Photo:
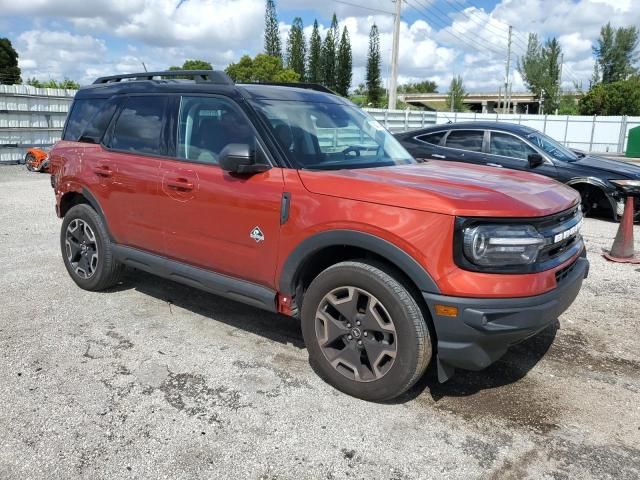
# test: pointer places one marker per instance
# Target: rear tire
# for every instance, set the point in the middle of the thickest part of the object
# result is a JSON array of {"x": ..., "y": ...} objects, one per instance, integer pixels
[
  {"x": 87, "y": 250},
  {"x": 364, "y": 331}
]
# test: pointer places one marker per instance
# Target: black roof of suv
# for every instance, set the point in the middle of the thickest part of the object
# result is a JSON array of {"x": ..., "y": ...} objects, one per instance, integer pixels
[{"x": 205, "y": 81}]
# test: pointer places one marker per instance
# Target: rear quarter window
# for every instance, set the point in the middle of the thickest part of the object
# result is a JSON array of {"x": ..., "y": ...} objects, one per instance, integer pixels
[
  {"x": 82, "y": 112},
  {"x": 432, "y": 138}
]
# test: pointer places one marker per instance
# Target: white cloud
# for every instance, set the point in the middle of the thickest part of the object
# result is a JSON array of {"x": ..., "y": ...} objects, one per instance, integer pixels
[{"x": 58, "y": 54}]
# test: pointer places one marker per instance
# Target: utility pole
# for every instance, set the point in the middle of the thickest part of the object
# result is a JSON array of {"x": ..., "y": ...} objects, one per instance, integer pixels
[
  {"x": 507, "y": 73},
  {"x": 560, "y": 81},
  {"x": 393, "y": 81}
]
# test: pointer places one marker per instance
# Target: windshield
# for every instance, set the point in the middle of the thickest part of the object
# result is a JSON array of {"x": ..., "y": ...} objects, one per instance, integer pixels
[
  {"x": 329, "y": 136},
  {"x": 553, "y": 148}
]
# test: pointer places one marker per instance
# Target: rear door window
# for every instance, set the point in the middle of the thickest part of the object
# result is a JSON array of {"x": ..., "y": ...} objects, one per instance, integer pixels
[
  {"x": 432, "y": 138},
  {"x": 140, "y": 125},
  {"x": 82, "y": 111},
  {"x": 470, "y": 140}
]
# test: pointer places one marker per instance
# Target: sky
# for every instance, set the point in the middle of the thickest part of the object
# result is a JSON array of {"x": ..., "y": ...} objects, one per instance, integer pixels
[{"x": 84, "y": 39}]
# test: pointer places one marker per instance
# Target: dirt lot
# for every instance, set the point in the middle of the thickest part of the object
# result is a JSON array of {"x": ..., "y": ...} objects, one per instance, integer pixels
[{"x": 155, "y": 380}]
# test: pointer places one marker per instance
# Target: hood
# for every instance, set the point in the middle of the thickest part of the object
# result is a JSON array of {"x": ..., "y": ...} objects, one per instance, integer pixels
[
  {"x": 447, "y": 187},
  {"x": 624, "y": 169}
]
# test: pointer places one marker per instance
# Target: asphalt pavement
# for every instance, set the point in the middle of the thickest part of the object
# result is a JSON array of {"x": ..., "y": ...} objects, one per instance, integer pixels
[{"x": 156, "y": 380}]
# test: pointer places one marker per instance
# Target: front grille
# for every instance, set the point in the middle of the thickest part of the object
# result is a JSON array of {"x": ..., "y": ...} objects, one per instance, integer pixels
[{"x": 555, "y": 229}]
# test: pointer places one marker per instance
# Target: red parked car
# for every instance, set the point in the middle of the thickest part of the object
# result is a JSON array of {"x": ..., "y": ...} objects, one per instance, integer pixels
[{"x": 293, "y": 200}]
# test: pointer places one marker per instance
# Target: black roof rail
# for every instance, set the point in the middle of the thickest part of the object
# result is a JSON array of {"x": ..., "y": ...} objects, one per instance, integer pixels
[
  {"x": 308, "y": 86},
  {"x": 200, "y": 76}
]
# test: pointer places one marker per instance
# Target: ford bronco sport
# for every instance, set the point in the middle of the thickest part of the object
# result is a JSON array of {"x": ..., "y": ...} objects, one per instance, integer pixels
[{"x": 293, "y": 200}]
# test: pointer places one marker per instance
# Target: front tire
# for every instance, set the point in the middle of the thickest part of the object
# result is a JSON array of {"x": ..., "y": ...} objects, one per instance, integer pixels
[
  {"x": 28, "y": 161},
  {"x": 87, "y": 250},
  {"x": 364, "y": 331}
]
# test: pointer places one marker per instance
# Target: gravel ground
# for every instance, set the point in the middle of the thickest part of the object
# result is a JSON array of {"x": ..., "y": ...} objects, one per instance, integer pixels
[{"x": 156, "y": 380}]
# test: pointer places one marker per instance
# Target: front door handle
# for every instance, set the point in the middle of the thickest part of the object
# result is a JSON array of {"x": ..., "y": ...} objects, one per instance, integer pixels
[
  {"x": 180, "y": 184},
  {"x": 437, "y": 155},
  {"x": 494, "y": 165},
  {"x": 103, "y": 171}
]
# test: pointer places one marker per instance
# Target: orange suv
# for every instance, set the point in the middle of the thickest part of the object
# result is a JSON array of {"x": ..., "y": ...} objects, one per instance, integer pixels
[{"x": 293, "y": 200}]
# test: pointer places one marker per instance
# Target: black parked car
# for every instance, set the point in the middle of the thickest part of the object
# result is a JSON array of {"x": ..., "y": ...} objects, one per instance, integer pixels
[{"x": 600, "y": 181}]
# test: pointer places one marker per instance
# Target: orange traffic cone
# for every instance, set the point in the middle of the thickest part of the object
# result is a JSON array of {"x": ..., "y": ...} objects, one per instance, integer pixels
[{"x": 622, "y": 249}]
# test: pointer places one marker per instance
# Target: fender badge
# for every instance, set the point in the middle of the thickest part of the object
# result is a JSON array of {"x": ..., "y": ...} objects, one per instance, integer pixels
[{"x": 257, "y": 234}]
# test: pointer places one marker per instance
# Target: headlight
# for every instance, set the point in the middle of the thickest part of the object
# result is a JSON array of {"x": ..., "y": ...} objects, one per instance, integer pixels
[
  {"x": 627, "y": 185},
  {"x": 502, "y": 245}
]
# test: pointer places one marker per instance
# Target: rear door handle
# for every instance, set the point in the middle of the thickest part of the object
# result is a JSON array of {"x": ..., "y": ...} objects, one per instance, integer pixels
[
  {"x": 180, "y": 184},
  {"x": 437, "y": 155},
  {"x": 494, "y": 165},
  {"x": 103, "y": 171}
]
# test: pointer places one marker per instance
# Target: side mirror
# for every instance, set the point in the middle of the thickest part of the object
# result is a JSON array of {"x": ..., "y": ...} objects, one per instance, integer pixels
[
  {"x": 239, "y": 158},
  {"x": 535, "y": 160}
]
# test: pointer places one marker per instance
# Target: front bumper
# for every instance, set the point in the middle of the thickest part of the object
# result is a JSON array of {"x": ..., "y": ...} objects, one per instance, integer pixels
[{"x": 484, "y": 329}]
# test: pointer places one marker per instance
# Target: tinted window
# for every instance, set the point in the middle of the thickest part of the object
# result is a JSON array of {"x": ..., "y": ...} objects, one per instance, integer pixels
[
  {"x": 509, "y": 146},
  {"x": 207, "y": 125},
  {"x": 466, "y": 140},
  {"x": 327, "y": 136},
  {"x": 81, "y": 112},
  {"x": 432, "y": 138},
  {"x": 139, "y": 126},
  {"x": 95, "y": 128}
]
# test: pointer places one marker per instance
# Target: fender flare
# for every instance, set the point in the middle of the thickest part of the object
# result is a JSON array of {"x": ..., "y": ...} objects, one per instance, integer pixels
[
  {"x": 352, "y": 238},
  {"x": 93, "y": 202}
]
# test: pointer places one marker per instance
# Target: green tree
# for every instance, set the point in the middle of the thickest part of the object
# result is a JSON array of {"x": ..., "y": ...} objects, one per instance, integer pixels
[
  {"x": 34, "y": 82},
  {"x": 65, "y": 84},
  {"x": 344, "y": 70},
  {"x": 457, "y": 94},
  {"x": 426, "y": 86},
  {"x": 297, "y": 48},
  {"x": 373, "y": 76},
  {"x": 540, "y": 70},
  {"x": 193, "y": 65},
  {"x": 329, "y": 55},
  {"x": 615, "y": 52},
  {"x": 262, "y": 68},
  {"x": 568, "y": 105},
  {"x": 9, "y": 70},
  {"x": 314, "y": 68},
  {"x": 616, "y": 98},
  {"x": 272, "y": 44}
]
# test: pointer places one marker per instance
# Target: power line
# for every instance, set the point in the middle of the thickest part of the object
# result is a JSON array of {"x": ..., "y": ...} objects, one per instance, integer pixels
[
  {"x": 445, "y": 19},
  {"x": 497, "y": 28},
  {"x": 371, "y": 9},
  {"x": 450, "y": 31}
]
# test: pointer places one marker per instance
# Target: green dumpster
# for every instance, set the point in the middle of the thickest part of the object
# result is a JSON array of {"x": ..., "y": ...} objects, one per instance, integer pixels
[{"x": 633, "y": 144}]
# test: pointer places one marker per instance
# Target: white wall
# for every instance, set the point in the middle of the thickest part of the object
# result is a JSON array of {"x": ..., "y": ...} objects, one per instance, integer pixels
[{"x": 30, "y": 117}]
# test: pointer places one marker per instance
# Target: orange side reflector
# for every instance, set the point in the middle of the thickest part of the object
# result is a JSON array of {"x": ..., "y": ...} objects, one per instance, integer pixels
[{"x": 446, "y": 310}]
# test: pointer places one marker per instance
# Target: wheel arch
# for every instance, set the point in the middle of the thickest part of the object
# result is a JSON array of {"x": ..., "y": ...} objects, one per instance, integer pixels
[
  {"x": 83, "y": 196},
  {"x": 321, "y": 250},
  {"x": 594, "y": 182}
]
